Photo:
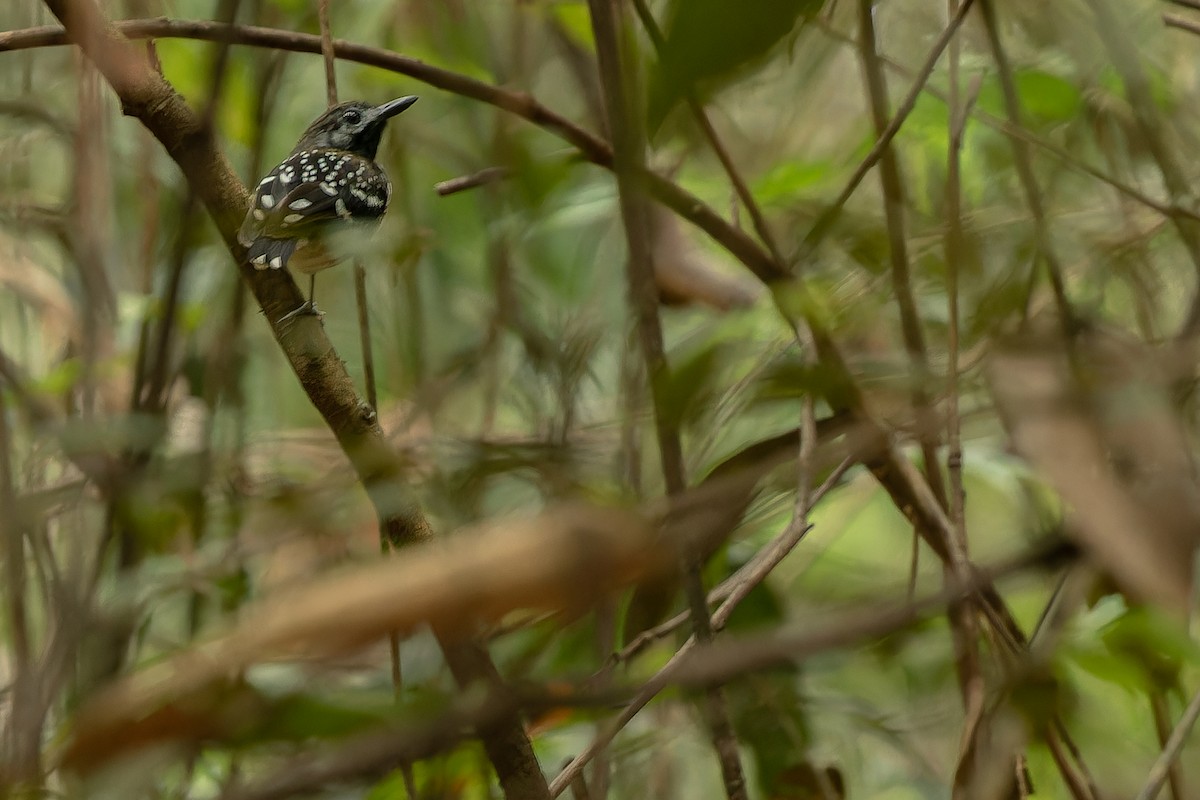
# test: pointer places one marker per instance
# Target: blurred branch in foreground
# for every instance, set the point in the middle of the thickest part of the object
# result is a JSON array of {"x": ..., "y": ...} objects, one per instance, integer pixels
[{"x": 561, "y": 561}]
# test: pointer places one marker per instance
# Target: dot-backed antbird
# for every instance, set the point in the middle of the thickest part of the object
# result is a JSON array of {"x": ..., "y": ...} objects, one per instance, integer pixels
[{"x": 330, "y": 184}]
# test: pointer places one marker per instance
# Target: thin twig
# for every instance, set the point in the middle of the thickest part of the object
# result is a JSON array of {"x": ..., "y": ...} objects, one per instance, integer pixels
[
  {"x": 731, "y": 591},
  {"x": 1160, "y": 711},
  {"x": 475, "y": 179},
  {"x": 894, "y": 203},
  {"x": 1182, "y": 23},
  {"x": 725, "y": 660},
  {"x": 824, "y": 223},
  {"x": 1170, "y": 754},
  {"x": 1071, "y": 779},
  {"x": 754, "y": 572},
  {"x": 1025, "y": 172},
  {"x": 331, "y": 92},
  {"x": 1015, "y": 132},
  {"x": 21, "y": 736},
  {"x": 614, "y": 55},
  {"x": 710, "y": 133},
  {"x": 966, "y": 647},
  {"x": 1126, "y": 60}
]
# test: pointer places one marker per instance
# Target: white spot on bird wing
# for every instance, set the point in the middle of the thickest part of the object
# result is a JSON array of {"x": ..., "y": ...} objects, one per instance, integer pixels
[
  {"x": 291, "y": 218},
  {"x": 259, "y": 261},
  {"x": 327, "y": 189},
  {"x": 340, "y": 207},
  {"x": 259, "y": 215},
  {"x": 266, "y": 201},
  {"x": 276, "y": 262},
  {"x": 266, "y": 180},
  {"x": 299, "y": 204},
  {"x": 374, "y": 200},
  {"x": 287, "y": 174}
]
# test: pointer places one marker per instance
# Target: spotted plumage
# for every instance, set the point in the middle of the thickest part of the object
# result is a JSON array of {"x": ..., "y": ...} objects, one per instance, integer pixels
[{"x": 329, "y": 184}]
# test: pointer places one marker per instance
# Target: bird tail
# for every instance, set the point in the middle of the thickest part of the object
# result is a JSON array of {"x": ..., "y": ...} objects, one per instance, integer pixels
[{"x": 267, "y": 253}]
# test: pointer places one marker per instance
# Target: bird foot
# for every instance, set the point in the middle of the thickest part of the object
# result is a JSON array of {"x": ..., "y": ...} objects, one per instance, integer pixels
[{"x": 306, "y": 309}]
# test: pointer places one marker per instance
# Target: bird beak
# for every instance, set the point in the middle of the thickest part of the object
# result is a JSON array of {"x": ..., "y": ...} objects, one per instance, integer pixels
[{"x": 394, "y": 107}]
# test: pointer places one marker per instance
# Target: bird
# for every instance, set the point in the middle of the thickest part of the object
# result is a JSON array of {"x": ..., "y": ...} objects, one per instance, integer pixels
[{"x": 329, "y": 187}]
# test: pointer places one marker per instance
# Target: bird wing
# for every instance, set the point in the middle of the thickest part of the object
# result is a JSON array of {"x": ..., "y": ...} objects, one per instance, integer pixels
[{"x": 286, "y": 205}]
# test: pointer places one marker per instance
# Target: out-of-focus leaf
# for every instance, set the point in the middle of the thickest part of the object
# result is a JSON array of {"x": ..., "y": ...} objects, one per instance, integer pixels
[
  {"x": 1162, "y": 90},
  {"x": 306, "y": 716},
  {"x": 706, "y": 41},
  {"x": 184, "y": 65},
  {"x": 1045, "y": 98},
  {"x": 1152, "y": 642},
  {"x": 788, "y": 180},
  {"x": 690, "y": 379},
  {"x": 574, "y": 20}
]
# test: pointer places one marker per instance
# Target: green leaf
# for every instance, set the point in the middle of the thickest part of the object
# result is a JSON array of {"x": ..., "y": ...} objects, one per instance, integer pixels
[
  {"x": 788, "y": 180},
  {"x": 575, "y": 23},
  {"x": 306, "y": 716},
  {"x": 706, "y": 41},
  {"x": 1045, "y": 98},
  {"x": 681, "y": 390}
]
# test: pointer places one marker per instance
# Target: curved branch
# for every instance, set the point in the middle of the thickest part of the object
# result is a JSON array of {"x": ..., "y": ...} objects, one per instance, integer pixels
[{"x": 590, "y": 146}]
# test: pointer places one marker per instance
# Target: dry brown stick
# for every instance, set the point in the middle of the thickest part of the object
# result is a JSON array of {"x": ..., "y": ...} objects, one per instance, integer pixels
[
  {"x": 369, "y": 756},
  {"x": 564, "y": 559},
  {"x": 1181, "y": 23},
  {"x": 591, "y": 147},
  {"x": 1170, "y": 754},
  {"x": 475, "y": 179},
  {"x": 894, "y": 204},
  {"x": 1162, "y": 728},
  {"x": 144, "y": 94},
  {"x": 731, "y": 591},
  {"x": 615, "y": 54},
  {"x": 21, "y": 735},
  {"x": 971, "y": 680},
  {"x": 1074, "y": 782},
  {"x": 331, "y": 92}
]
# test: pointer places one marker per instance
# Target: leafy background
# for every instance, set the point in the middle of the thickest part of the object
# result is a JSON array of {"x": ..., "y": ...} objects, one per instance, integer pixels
[{"x": 508, "y": 375}]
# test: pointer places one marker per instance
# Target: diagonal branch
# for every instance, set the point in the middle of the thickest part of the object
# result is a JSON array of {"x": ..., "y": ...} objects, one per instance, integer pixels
[
  {"x": 146, "y": 95},
  {"x": 629, "y": 164}
]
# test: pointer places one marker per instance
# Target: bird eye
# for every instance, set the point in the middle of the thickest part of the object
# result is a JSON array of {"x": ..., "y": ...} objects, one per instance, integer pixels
[{"x": 352, "y": 117}]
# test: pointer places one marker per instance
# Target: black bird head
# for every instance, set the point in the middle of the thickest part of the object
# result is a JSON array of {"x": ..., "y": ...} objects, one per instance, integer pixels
[{"x": 356, "y": 127}]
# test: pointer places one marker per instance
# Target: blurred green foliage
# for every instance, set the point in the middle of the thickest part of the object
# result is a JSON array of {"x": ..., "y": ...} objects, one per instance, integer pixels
[{"x": 508, "y": 374}]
